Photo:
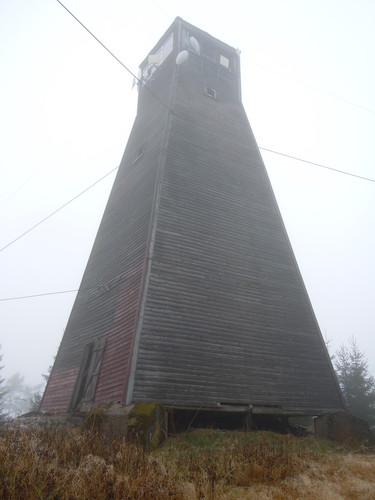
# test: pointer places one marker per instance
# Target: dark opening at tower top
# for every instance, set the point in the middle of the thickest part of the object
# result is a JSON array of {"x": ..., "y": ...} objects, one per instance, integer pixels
[{"x": 192, "y": 295}]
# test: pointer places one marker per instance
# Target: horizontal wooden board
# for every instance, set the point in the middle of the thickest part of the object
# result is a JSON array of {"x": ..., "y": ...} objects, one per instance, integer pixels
[
  {"x": 192, "y": 281},
  {"x": 227, "y": 316}
]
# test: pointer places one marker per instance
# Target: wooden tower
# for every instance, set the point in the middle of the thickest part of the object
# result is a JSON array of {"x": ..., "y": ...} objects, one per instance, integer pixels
[{"x": 192, "y": 295}]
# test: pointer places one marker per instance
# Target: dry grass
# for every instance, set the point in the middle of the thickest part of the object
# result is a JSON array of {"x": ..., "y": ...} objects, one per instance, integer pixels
[{"x": 54, "y": 464}]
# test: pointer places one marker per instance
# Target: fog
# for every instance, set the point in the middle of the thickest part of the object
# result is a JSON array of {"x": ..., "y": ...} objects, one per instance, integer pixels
[{"x": 67, "y": 108}]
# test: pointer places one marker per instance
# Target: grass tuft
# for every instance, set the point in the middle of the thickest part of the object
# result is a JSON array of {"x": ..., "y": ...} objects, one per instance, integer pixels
[{"x": 54, "y": 463}]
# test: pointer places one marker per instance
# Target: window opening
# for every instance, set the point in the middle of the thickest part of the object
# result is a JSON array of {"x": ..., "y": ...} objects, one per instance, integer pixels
[
  {"x": 155, "y": 60},
  {"x": 210, "y": 91},
  {"x": 224, "y": 61}
]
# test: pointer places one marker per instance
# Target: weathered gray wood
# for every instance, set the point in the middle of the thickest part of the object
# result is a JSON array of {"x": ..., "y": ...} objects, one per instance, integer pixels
[{"x": 192, "y": 279}]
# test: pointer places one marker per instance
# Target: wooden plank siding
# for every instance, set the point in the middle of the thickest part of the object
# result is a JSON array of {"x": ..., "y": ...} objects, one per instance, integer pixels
[
  {"x": 108, "y": 299},
  {"x": 120, "y": 339},
  {"x": 59, "y": 390},
  {"x": 227, "y": 317},
  {"x": 192, "y": 281}
]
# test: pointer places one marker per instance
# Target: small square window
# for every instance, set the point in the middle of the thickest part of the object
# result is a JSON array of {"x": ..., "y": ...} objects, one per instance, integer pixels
[
  {"x": 210, "y": 91},
  {"x": 224, "y": 61}
]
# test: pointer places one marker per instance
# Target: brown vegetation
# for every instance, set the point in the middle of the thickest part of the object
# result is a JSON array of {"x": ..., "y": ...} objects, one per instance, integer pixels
[{"x": 49, "y": 463}]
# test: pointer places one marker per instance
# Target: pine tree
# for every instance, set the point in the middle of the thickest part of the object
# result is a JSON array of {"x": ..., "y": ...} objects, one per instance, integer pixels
[
  {"x": 357, "y": 385},
  {"x": 35, "y": 400}
]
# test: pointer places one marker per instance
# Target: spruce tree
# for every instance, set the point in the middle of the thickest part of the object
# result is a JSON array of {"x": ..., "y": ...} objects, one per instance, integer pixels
[{"x": 357, "y": 385}]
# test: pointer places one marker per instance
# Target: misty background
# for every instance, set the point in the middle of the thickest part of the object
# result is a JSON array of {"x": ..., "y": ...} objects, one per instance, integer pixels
[{"x": 67, "y": 108}]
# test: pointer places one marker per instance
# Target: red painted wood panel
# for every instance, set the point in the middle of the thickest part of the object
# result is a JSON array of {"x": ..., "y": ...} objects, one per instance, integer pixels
[
  {"x": 120, "y": 339},
  {"x": 60, "y": 386}
]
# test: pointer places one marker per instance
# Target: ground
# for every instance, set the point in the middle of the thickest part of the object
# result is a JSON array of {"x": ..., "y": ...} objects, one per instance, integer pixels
[{"x": 200, "y": 463}]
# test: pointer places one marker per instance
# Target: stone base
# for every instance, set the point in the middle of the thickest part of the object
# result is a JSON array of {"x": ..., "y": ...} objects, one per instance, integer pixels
[
  {"x": 143, "y": 422},
  {"x": 344, "y": 428}
]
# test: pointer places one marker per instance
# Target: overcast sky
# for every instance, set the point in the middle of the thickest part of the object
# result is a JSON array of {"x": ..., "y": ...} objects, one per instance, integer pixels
[{"x": 67, "y": 107}]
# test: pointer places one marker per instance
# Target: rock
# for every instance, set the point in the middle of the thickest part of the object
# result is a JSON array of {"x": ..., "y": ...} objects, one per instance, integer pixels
[
  {"x": 345, "y": 429},
  {"x": 148, "y": 424},
  {"x": 109, "y": 420},
  {"x": 143, "y": 422}
]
